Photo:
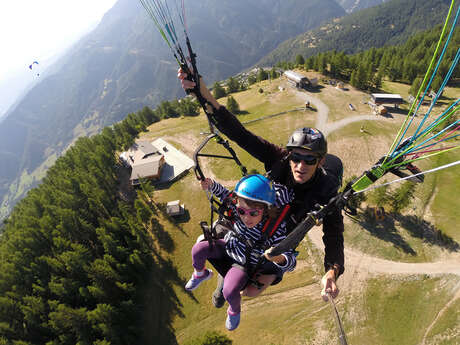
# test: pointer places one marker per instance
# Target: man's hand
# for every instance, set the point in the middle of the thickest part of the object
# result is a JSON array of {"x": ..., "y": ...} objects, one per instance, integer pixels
[
  {"x": 190, "y": 85},
  {"x": 185, "y": 83},
  {"x": 329, "y": 286}
]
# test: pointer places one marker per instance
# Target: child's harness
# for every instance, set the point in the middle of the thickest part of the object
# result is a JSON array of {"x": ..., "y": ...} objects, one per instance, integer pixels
[{"x": 225, "y": 223}]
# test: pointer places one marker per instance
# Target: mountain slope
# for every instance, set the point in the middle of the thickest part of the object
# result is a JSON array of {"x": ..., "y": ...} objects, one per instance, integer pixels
[
  {"x": 389, "y": 23},
  {"x": 356, "y": 5},
  {"x": 124, "y": 65}
]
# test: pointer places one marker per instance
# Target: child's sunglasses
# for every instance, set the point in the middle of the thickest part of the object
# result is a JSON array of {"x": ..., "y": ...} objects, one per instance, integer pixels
[
  {"x": 253, "y": 212},
  {"x": 308, "y": 159}
]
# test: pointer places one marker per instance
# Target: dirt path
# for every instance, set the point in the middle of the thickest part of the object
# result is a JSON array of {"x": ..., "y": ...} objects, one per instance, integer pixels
[
  {"x": 441, "y": 312},
  {"x": 333, "y": 126},
  {"x": 375, "y": 265},
  {"x": 322, "y": 115}
]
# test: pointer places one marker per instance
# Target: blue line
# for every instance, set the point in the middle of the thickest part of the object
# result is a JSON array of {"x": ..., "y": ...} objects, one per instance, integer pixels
[
  {"x": 440, "y": 118},
  {"x": 429, "y": 84},
  {"x": 440, "y": 141},
  {"x": 436, "y": 70},
  {"x": 433, "y": 137},
  {"x": 444, "y": 83}
]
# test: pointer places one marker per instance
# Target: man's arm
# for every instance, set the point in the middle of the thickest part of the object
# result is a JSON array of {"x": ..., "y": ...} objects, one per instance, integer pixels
[
  {"x": 228, "y": 124},
  {"x": 333, "y": 222},
  {"x": 332, "y": 229},
  {"x": 333, "y": 243}
]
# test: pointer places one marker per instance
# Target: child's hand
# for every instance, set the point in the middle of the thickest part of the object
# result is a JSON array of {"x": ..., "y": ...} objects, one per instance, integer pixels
[
  {"x": 279, "y": 259},
  {"x": 206, "y": 184}
]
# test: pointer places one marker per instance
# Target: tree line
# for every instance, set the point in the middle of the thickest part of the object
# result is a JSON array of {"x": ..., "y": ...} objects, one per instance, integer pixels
[
  {"x": 406, "y": 63},
  {"x": 78, "y": 264}
]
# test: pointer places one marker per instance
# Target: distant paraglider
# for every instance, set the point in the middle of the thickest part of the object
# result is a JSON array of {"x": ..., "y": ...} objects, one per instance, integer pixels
[{"x": 34, "y": 67}]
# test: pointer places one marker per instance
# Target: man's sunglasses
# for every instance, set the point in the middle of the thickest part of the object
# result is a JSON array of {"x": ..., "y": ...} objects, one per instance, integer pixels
[
  {"x": 308, "y": 159},
  {"x": 253, "y": 212}
]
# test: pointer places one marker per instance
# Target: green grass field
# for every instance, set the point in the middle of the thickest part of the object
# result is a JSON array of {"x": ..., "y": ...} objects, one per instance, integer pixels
[{"x": 383, "y": 310}]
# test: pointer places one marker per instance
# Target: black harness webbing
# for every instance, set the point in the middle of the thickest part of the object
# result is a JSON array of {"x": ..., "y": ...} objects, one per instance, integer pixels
[{"x": 268, "y": 230}]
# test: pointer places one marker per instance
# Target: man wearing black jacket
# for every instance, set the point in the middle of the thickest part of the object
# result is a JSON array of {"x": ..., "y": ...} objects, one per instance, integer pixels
[{"x": 304, "y": 166}]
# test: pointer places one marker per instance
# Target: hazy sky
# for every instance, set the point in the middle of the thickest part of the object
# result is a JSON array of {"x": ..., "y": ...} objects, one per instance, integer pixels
[{"x": 38, "y": 29}]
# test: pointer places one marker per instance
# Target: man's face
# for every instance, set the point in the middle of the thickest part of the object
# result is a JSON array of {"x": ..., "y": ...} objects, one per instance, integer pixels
[{"x": 303, "y": 165}]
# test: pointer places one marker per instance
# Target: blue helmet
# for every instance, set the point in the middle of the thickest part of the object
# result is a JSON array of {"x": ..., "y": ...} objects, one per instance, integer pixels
[{"x": 256, "y": 188}]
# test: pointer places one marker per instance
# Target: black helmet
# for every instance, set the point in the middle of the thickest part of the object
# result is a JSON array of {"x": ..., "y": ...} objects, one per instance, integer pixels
[{"x": 309, "y": 139}]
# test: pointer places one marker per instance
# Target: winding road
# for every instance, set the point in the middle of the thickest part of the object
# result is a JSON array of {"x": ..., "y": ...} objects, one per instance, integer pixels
[
  {"x": 361, "y": 266},
  {"x": 354, "y": 258}
]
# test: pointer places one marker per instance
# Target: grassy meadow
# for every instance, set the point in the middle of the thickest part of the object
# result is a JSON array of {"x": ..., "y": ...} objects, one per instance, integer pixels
[{"x": 375, "y": 309}]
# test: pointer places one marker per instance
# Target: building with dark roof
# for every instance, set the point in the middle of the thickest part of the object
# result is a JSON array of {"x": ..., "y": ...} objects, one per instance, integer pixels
[
  {"x": 386, "y": 98},
  {"x": 146, "y": 162}
]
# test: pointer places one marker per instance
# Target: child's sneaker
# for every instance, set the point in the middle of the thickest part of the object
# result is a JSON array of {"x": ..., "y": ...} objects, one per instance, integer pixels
[
  {"x": 195, "y": 281},
  {"x": 233, "y": 320}
]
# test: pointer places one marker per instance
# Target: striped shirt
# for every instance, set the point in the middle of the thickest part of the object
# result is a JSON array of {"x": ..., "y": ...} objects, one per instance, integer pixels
[{"x": 236, "y": 244}]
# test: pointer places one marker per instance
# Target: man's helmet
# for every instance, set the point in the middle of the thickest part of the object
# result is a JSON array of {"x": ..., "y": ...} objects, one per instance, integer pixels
[
  {"x": 309, "y": 139},
  {"x": 256, "y": 188}
]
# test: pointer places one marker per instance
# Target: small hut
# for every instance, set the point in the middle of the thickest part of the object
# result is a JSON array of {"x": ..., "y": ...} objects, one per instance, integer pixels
[{"x": 175, "y": 208}]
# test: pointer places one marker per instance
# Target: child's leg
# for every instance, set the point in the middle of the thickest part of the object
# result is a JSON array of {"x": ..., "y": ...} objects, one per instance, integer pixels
[
  {"x": 234, "y": 281},
  {"x": 202, "y": 251}
]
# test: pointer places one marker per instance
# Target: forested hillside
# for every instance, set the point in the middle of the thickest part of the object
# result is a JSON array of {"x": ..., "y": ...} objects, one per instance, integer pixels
[
  {"x": 124, "y": 64},
  {"x": 406, "y": 63},
  {"x": 77, "y": 255},
  {"x": 390, "y": 23},
  {"x": 356, "y": 5}
]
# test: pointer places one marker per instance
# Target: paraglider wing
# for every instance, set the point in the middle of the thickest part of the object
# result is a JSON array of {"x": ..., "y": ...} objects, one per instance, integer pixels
[{"x": 31, "y": 66}]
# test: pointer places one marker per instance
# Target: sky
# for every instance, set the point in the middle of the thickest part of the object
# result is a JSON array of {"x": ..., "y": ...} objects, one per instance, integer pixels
[{"x": 37, "y": 30}]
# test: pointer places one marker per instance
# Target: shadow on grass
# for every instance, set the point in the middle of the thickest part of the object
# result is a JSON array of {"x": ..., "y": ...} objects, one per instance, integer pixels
[
  {"x": 386, "y": 231},
  {"x": 417, "y": 227},
  {"x": 316, "y": 89},
  {"x": 427, "y": 232},
  {"x": 176, "y": 221},
  {"x": 161, "y": 304},
  {"x": 241, "y": 112},
  {"x": 387, "y": 115},
  {"x": 162, "y": 237}
]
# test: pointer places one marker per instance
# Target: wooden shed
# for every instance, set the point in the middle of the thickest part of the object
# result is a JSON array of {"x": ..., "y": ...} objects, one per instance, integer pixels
[{"x": 175, "y": 208}]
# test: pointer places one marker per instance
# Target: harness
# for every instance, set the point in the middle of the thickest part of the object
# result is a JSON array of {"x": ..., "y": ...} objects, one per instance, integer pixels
[
  {"x": 268, "y": 230},
  {"x": 226, "y": 220}
]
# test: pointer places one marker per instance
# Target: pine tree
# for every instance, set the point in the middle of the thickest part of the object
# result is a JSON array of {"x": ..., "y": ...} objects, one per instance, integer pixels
[
  {"x": 232, "y": 85},
  {"x": 309, "y": 63},
  {"x": 353, "y": 79},
  {"x": 188, "y": 107},
  {"x": 232, "y": 105},
  {"x": 379, "y": 196},
  {"x": 402, "y": 197},
  {"x": 378, "y": 80},
  {"x": 218, "y": 91},
  {"x": 262, "y": 75},
  {"x": 415, "y": 86},
  {"x": 299, "y": 60}
]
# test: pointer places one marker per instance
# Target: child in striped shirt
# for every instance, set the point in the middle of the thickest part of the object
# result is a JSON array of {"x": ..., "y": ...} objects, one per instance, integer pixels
[{"x": 256, "y": 200}]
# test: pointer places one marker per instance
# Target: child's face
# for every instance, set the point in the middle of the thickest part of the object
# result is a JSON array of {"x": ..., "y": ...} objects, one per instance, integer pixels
[{"x": 249, "y": 215}]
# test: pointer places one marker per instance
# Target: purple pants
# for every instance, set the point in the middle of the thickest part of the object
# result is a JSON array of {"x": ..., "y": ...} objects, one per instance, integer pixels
[{"x": 234, "y": 280}]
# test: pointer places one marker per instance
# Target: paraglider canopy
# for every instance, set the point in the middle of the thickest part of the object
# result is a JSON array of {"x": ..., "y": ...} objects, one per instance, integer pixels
[{"x": 34, "y": 66}]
